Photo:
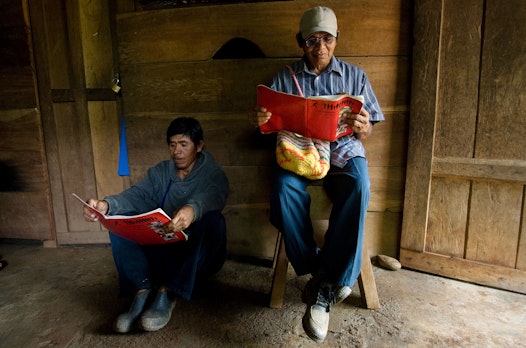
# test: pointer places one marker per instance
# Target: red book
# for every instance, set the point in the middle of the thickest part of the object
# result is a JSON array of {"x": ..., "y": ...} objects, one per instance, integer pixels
[
  {"x": 142, "y": 229},
  {"x": 314, "y": 117}
]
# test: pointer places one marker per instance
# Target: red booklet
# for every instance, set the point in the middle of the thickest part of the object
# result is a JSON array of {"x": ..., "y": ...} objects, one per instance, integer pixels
[
  {"x": 142, "y": 229},
  {"x": 314, "y": 117}
]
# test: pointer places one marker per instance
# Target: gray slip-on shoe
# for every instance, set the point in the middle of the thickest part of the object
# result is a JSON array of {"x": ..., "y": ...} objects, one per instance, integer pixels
[
  {"x": 125, "y": 321},
  {"x": 159, "y": 313}
]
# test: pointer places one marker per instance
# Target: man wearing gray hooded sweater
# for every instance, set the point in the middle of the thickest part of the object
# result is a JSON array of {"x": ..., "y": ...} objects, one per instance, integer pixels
[{"x": 192, "y": 188}]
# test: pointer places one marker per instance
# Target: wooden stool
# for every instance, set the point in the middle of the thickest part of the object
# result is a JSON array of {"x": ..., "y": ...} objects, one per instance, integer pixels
[{"x": 366, "y": 280}]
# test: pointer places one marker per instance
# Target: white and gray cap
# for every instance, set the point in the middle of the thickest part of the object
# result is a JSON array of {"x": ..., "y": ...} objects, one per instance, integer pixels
[{"x": 318, "y": 19}]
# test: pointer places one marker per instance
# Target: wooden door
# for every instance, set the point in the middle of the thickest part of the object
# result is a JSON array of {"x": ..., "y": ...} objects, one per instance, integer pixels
[
  {"x": 72, "y": 43},
  {"x": 24, "y": 185},
  {"x": 464, "y": 210}
]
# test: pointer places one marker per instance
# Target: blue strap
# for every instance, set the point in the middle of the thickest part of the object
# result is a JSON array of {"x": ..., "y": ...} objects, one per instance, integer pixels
[{"x": 165, "y": 194}]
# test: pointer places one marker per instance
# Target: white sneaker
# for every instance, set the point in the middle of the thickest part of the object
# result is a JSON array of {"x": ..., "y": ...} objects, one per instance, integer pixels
[
  {"x": 341, "y": 293},
  {"x": 316, "y": 318}
]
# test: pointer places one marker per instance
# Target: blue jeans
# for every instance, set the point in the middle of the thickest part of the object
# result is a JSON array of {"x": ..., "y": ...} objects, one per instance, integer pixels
[
  {"x": 340, "y": 257},
  {"x": 178, "y": 266}
]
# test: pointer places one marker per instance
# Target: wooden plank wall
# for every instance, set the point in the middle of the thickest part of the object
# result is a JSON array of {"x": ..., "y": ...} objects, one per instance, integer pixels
[
  {"x": 24, "y": 198},
  {"x": 167, "y": 70}
]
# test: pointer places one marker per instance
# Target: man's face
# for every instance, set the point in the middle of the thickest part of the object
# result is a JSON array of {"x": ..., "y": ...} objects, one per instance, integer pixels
[
  {"x": 321, "y": 50},
  {"x": 183, "y": 151}
]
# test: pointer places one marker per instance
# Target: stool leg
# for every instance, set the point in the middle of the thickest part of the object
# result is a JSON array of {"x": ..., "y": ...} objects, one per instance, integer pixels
[
  {"x": 366, "y": 281},
  {"x": 279, "y": 279}
]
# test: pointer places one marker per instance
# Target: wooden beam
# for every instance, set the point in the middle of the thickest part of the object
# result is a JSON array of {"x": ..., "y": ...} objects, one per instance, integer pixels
[
  {"x": 472, "y": 271},
  {"x": 480, "y": 169},
  {"x": 428, "y": 15},
  {"x": 92, "y": 94},
  {"x": 362, "y": 27}
]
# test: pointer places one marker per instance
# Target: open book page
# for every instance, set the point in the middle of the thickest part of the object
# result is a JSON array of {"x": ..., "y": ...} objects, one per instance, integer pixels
[
  {"x": 316, "y": 117},
  {"x": 146, "y": 228}
]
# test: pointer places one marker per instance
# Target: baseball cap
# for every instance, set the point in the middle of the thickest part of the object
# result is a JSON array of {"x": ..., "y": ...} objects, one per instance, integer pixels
[{"x": 316, "y": 19}]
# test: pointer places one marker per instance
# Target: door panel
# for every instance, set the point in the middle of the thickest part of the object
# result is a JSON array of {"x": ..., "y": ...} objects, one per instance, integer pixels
[
  {"x": 465, "y": 189},
  {"x": 74, "y": 63}
]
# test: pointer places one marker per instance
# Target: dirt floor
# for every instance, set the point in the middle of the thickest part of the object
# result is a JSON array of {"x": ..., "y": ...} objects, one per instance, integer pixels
[{"x": 67, "y": 297}]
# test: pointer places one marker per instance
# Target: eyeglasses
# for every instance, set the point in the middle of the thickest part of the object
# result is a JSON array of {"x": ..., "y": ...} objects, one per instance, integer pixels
[{"x": 326, "y": 39}]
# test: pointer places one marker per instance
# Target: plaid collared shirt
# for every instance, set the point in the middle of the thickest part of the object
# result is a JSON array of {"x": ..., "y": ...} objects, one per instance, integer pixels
[{"x": 339, "y": 77}]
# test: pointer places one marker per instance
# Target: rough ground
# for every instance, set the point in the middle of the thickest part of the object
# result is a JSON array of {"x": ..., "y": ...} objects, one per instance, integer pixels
[{"x": 67, "y": 297}]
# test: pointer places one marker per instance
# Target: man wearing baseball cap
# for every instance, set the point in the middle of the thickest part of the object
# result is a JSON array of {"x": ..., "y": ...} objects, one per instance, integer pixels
[{"x": 336, "y": 265}]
